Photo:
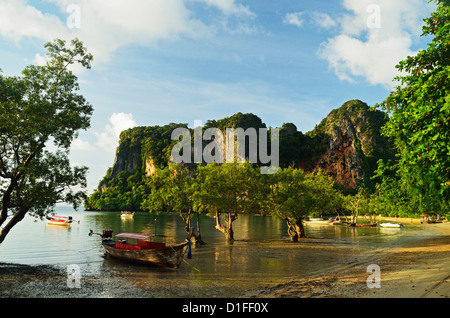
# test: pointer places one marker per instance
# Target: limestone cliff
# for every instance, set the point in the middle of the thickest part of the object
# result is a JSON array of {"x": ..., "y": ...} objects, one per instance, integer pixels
[{"x": 347, "y": 144}]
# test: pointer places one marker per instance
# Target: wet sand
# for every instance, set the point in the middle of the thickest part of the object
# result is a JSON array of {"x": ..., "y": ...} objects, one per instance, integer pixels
[{"x": 420, "y": 269}]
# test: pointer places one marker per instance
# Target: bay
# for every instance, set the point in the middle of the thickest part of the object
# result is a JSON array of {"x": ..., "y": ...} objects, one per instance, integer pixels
[{"x": 260, "y": 256}]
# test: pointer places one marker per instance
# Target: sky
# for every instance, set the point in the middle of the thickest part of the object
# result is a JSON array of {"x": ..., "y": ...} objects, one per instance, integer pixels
[{"x": 178, "y": 61}]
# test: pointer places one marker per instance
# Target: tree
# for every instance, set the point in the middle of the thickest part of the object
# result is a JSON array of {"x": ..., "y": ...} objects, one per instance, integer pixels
[
  {"x": 39, "y": 108},
  {"x": 225, "y": 190},
  {"x": 419, "y": 123},
  {"x": 172, "y": 189},
  {"x": 363, "y": 203},
  {"x": 293, "y": 195}
]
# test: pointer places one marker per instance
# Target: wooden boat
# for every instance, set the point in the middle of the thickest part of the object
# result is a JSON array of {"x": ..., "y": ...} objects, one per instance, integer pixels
[
  {"x": 59, "y": 220},
  {"x": 363, "y": 224},
  {"x": 126, "y": 214},
  {"x": 391, "y": 224},
  {"x": 144, "y": 252},
  {"x": 315, "y": 220}
]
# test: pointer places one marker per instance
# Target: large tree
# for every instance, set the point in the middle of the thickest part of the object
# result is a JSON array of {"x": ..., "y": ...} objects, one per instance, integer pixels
[
  {"x": 225, "y": 190},
  {"x": 40, "y": 114},
  {"x": 419, "y": 123},
  {"x": 294, "y": 195},
  {"x": 172, "y": 189}
]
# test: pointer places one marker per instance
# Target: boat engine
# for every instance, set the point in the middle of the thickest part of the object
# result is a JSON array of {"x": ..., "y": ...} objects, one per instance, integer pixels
[{"x": 107, "y": 234}]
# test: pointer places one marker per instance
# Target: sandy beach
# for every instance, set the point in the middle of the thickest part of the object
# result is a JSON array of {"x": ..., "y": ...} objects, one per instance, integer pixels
[{"x": 420, "y": 269}]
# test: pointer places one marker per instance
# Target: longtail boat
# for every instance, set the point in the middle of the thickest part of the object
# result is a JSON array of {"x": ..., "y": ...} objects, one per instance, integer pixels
[
  {"x": 59, "y": 220},
  {"x": 145, "y": 251},
  {"x": 363, "y": 224},
  {"x": 126, "y": 214}
]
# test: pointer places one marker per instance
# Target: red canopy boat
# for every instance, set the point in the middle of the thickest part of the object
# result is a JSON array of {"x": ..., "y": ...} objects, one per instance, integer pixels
[
  {"x": 59, "y": 220},
  {"x": 144, "y": 251}
]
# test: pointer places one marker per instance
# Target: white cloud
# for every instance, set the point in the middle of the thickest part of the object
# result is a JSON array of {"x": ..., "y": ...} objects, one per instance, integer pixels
[
  {"x": 294, "y": 18},
  {"x": 315, "y": 18},
  {"x": 362, "y": 51},
  {"x": 106, "y": 25},
  {"x": 228, "y": 7},
  {"x": 39, "y": 59},
  {"x": 81, "y": 145},
  {"x": 108, "y": 139},
  {"x": 323, "y": 20},
  {"x": 18, "y": 20}
]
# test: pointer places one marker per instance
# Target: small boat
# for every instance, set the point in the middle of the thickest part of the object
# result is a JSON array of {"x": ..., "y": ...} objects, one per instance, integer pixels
[
  {"x": 60, "y": 220},
  {"x": 126, "y": 214},
  {"x": 363, "y": 224},
  {"x": 315, "y": 219},
  {"x": 145, "y": 251},
  {"x": 386, "y": 224}
]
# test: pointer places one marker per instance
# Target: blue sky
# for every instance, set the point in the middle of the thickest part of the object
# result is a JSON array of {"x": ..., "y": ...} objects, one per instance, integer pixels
[{"x": 163, "y": 61}]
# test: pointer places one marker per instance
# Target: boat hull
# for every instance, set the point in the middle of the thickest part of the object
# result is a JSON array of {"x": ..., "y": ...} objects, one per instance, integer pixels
[
  {"x": 170, "y": 256},
  {"x": 62, "y": 222},
  {"x": 394, "y": 225},
  {"x": 126, "y": 215},
  {"x": 58, "y": 223}
]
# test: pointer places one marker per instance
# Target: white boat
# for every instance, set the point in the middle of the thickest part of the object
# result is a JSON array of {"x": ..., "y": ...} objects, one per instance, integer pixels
[
  {"x": 127, "y": 214},
  {"x": 391, "y": 224}
]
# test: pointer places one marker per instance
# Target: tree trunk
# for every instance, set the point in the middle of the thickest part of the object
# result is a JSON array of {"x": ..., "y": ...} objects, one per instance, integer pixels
[
  {"x": 18, "y": 216},
  {"x": 292, "y": 232},
  {"x": 187, "y": 227},
  {"x": 296, "y": 230},
  {"x": 300, "y": 228},
  {"x": 226, "y": 229},
  {"x": 198, "y": 239}
]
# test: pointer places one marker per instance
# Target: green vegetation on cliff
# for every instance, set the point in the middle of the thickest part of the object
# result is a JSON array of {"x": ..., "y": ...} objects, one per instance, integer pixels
[{"x": 142, "y": 151}]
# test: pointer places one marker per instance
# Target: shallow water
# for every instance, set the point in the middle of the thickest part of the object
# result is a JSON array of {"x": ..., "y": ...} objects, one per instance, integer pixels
[{"x": 260, "y": 256}]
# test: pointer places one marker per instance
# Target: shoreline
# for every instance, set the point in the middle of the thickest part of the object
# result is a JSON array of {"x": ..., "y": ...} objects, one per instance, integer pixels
[{"x": 418, "y": 269}]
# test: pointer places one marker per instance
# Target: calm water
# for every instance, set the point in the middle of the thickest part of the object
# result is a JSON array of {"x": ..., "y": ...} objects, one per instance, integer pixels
[{"x": 259, "y": 257}]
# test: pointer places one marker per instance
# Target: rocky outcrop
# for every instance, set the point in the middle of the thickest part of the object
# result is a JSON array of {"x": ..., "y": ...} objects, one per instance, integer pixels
[
  {"x": 354, "y": 144},
  {"x": 347, "y": 144}
]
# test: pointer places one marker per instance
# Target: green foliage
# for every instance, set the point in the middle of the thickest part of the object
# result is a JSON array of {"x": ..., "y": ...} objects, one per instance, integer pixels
[
  {"x": 238, "y": 120},
  {"x": 420, "y": 124},
  {"x": 40, "y": 107},
  {"x": 295, "y": 147},
  {"x": 292, "y": 195},
  {"x": 157, "y": 142},
  {"x": 226, "y": 190}
]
